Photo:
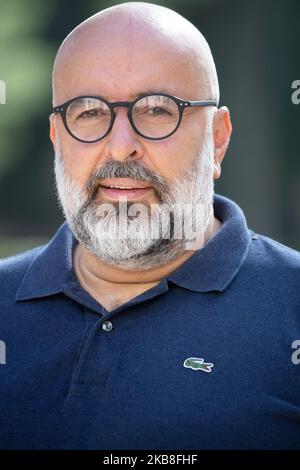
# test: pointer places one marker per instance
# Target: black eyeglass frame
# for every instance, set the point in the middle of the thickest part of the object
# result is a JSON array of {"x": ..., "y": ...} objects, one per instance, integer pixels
[{"x": 181, "y": 104}]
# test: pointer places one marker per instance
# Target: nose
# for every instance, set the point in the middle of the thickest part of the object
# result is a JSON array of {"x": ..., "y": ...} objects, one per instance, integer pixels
[{"x": 123, "y": 143}]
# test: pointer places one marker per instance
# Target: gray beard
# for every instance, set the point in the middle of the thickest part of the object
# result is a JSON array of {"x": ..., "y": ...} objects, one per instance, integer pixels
[{"x": 139, "y": 250}]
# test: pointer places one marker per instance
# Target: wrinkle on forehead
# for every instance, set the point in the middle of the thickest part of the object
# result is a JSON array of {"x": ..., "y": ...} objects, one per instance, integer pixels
[{"x": 130, "y": 27}]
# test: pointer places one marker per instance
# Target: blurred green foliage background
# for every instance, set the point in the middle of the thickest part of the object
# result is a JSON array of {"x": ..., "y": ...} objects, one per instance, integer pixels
[{"x": 255, "y": 45}]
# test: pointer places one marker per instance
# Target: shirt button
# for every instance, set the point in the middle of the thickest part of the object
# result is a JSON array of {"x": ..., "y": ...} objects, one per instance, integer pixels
[{"x": 107, "y": 326}]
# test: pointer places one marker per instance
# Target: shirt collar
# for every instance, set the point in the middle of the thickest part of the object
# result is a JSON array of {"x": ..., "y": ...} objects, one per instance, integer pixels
[
  {"x": 211, "y": 268},
  {"x": 52, "y": 267}
]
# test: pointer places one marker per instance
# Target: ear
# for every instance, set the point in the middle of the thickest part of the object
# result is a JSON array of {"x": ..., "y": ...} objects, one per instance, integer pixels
[
  {"x": 221, "y": 131},
  {"x": 52, "y": 132}
]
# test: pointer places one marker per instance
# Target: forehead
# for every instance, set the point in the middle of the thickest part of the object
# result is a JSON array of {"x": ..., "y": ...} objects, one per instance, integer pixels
[{"x": 121, "y": 69}]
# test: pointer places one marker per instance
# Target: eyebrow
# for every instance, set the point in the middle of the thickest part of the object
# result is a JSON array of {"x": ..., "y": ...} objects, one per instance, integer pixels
[
  {"x": 145, "y": 92},
  {"x": 150, "y": 92}
]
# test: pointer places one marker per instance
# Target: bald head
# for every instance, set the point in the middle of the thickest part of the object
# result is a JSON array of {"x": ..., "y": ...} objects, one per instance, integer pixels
[{"x": 130, "y": 34}]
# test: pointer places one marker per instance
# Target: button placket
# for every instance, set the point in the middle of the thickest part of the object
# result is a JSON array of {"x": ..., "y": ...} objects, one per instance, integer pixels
[
  {"x": 85, "y": 349},
  {"x": 81, "y": 380}
]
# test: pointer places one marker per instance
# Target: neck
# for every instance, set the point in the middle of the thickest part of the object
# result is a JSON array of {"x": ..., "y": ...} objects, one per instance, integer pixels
[{"x": 93, "y": 274}]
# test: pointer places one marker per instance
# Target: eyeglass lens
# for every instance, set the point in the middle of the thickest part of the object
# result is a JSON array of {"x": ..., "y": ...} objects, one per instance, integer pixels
[{"x": 154, "y": 116}]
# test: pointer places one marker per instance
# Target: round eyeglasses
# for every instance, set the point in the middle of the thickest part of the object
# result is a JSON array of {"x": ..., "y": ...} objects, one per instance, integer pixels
[{"x": 152, "y": 116}]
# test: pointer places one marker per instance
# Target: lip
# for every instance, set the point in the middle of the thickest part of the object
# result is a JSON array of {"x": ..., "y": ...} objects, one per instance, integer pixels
[
  {"x": 125, "y": 183},
  {"x": 137, "y": 188},
  {"x": 115, "y": 193}
]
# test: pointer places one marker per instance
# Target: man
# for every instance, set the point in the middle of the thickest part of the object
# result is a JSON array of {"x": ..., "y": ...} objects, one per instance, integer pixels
[{"x": 125, "y": 331}]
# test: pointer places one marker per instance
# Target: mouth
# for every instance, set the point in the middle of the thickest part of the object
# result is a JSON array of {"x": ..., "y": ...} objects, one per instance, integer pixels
[{"x": 114, "y": 188}]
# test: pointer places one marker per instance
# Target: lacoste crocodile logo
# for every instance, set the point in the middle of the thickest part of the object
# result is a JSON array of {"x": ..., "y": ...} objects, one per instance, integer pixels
[{"x": 197, "y": 363}]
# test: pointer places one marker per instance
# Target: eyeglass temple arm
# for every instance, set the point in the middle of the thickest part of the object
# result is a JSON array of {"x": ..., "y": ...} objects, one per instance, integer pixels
[{"x": 201, "y": 103}]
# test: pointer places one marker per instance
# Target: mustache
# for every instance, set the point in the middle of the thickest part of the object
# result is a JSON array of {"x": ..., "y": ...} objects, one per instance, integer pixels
[{"x": 131, "y": 169}]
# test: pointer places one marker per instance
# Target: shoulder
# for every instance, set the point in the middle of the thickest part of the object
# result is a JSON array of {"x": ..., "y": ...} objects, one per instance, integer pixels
[
  {"x": 268, "y": 252},
  {"x": 272, "y": 268},
  {"x": 13, "y": 268}
]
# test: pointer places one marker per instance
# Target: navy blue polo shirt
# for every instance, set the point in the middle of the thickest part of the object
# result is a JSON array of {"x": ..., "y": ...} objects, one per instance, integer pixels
[{"x": 207, "y": 359}]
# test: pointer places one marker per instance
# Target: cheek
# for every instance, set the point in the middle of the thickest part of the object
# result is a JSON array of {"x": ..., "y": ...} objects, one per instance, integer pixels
[
  {"x": 80, "y": 160},
  {"x": 176, "y": 154}
]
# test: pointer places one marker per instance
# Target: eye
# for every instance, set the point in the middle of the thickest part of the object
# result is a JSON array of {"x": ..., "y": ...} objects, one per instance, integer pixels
[
  {"x": 92, "y": 113},
  {"x": 158, "y": 110}
]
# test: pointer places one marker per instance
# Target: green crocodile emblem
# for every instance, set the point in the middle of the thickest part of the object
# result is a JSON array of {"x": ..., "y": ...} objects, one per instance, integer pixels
[{"x": 197, "y": 363}]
